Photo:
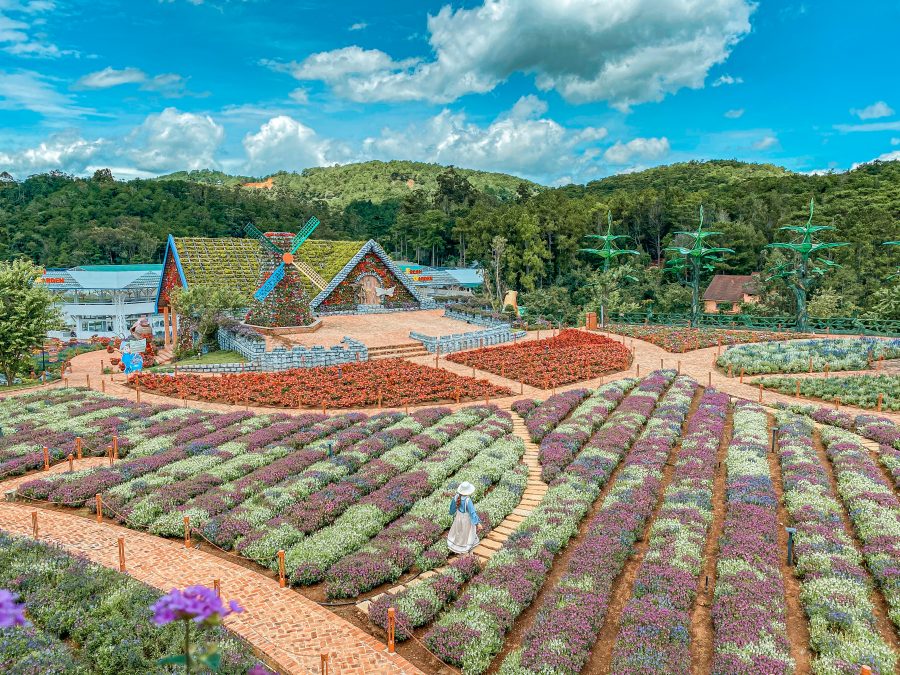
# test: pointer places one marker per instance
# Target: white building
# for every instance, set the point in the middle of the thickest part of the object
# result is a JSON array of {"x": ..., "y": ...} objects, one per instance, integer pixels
[{"x": 105, "y": 300}]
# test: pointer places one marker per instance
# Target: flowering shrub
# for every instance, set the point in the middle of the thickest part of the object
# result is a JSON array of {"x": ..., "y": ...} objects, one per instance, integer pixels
[
  {"x": 748, "y": 610},
  {"x": 859, "y": 390},
  {"x": 879, "y": 429},
  {"x": 418, "y": 605},
  {"x": 570, "y": 618},
  {"x": 795, "y": 356},
  {"x": 471, "y": 632},
  {"x": 834, "y": 588},
  {"x": 681, "y": 339},
  {"x": 394, "y": 549},
  {"x": 89, "y": 619},
  {"x": 309, "y": 560},
  {"x": 657, "y": 619},
  {"x": 559, "y": 447},
  {"x": 11, "y": 612},
  {"x": 524, "y": 407},
  {"x": 873, "y": 508},
  {"x": 396, "y": 381},
  {"x": 544, "y": 418},
  {"x": 571, "y": 356}
]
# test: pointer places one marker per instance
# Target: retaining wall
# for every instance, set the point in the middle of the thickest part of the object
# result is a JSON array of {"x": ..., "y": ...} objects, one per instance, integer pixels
[
  {"x": 281, "y": 358},
  {"x": 462, "y": 341}
]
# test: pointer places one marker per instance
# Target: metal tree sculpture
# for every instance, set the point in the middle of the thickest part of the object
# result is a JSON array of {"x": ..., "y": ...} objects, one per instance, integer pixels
[
  {"x": 695, "y": 260},
  {"x": 804, "y": 272},
  {"x": 607, "y": 252},
  {"x": 895, "y": 275}
]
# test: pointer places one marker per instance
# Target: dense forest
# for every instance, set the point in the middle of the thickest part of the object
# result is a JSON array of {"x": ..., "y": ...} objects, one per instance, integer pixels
[{"x": 527, "y": 236}]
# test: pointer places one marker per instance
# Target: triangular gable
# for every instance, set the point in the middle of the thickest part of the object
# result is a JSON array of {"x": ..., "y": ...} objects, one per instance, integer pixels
[
  {"x": 373, "y": 247},
  {"x": 170, "y": 263}
]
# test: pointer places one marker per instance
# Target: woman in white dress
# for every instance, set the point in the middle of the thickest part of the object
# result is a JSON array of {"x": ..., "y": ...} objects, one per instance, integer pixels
[{"x": 463, "y": 536}]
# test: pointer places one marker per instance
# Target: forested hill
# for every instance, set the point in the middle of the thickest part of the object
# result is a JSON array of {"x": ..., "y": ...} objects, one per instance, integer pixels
[
  {"x": 450, "y": 216},
  {"x": 373, "y": 181}
]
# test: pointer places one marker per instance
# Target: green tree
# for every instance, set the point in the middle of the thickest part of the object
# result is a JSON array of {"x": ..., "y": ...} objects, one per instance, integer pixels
[
  {"x": 608, "y": 252},
  {"x": 803, "y": 272},
  {"x": 207, "y": 304},
  {"x": 27, "y": 311},
  {"x": 694, "y": 260}
]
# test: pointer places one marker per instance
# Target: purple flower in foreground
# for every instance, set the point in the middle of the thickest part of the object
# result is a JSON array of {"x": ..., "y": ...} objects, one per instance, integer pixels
[
  {"x": 11, "y": 613},
  {"x": 199, "y": 603}
]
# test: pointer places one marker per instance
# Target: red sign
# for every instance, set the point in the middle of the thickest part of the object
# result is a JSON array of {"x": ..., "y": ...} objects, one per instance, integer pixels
[
  {"x": 411, "y": 271},
  {"x": 53, "y": 280},
  {"x": 422, "y": 278}
]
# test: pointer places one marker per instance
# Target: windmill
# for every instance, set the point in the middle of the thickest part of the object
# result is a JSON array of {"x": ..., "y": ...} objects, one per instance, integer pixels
[{"x": 287, "y": 258}]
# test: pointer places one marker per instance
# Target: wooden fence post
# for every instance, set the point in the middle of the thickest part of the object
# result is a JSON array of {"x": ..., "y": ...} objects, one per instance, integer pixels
[
  {"x": 78, "y": 447},
  {"x": 392, "y": 618},
  {"x": 217, "y": 587},
  {"x": 99, "y": 501},
  {"x": 46, "y": 458},
  {"x": 34, "y": 525},
  {"x": 109, "y": 452},
  {"x": 798, "y": 389},
  {"x": 282, "y": 581},
  {"x": 103, "y": 386},
  {"x": 71, "y": 459},
  {"x": 741, "y": 379},
  {"x": 87, "y": 380},
  {"x": 121, "y": 554},
  {"x": 187, "y": 531},
  {"x": 878, "y": 405},
  {"x": 324, "y": 663},
  {"x": 760, "y": 392}
]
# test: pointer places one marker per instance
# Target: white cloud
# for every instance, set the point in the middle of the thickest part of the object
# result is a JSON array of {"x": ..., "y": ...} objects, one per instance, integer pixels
[
  {"x": 173, "y": 140},
  {"x": 766, "y": 142},
  {"x": 895, "y": 141},
  {"x": 360, "y": 25},
  {"x": 283, "y": 143},
  {"x": 734, "y": 114},
  {"x": 64, "y": 152},
  {"x": 893, "y": 156},
  {"x": 17, "y": 35},
  {"x": 871, "y": 126},
  {"x": 727, "y": 79},
  {"x": 169, "y": 84},
  {"x": 873, "y": 112},
  {"x": 299, "y": 95},
  {"x": 637, "y": 148},
  {"x": 30, "y": 90},
  {"x": 622, "y": 51},
  {"x": 520, "y": 141}
]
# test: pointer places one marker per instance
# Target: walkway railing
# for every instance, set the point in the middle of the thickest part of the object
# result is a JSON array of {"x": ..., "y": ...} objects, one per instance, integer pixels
[{"x": 835, "y": 325}]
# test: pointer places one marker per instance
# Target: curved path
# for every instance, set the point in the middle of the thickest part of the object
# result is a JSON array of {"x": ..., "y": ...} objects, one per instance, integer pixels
[
  {"x": 647, "y": 356},
  {"x": 290, "y": 629}
]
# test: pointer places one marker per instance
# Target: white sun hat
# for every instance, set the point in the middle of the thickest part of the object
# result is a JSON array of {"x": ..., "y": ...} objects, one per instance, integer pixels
[{"x": 465, "y": 489}]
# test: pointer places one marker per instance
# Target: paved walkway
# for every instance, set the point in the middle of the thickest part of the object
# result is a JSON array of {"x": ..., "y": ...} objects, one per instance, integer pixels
[{"x": 281, "y": 623}]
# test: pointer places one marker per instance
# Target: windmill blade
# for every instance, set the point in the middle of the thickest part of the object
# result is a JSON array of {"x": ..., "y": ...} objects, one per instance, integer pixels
[
  {"x": 314, "y": 277},
  {"x": 269, "y": 284},
  {"x": 263, "y": 239},
  {"x": 891, "y": 243},
  {"x": 304, "y": 233}
]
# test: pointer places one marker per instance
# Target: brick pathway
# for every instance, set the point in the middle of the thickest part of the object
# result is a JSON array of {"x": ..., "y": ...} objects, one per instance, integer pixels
[{"x": 281, "y": 623}]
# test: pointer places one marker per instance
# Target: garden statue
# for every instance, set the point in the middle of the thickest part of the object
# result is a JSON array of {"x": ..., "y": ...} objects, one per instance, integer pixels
[
  {"x": 511, "y": 300},
  {"x": 142, "y": 330},
  {"x": 802, "y": 274},
  {"x": 695, "y": 260}
]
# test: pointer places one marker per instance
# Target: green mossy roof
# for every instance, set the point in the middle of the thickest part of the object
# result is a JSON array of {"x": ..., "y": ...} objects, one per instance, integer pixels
[{"x": 236, "y": 262}]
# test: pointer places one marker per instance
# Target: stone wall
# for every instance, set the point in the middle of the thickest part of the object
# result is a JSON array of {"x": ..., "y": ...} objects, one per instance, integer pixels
[
  {"x": 280, "y": 358},
  {"x": 462, "y": 341},
  {"x": 474, "y": 318}
]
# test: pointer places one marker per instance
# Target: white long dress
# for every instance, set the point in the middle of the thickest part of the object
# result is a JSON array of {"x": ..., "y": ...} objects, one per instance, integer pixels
[{"x": 463, "y": 535}]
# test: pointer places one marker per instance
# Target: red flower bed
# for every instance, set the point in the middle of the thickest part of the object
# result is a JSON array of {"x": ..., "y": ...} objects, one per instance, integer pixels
[
  {"x": 680, "y": 339},
  {"x": 572, "y": 356},
  {"x": 354, "y": 385}
]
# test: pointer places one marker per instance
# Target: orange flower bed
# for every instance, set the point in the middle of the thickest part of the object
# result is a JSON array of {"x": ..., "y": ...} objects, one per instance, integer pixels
[
  {"x": 354, "y": 385},
  {"x": 572, "y": 356}
]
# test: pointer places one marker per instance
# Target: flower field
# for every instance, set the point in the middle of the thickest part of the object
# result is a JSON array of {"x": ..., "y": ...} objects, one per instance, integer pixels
[
  {"x": 804, "y": 356},
  {"x": 679, "y": 339},
  {"x": 79, "y": 612},
  {"x": 858, "y": 390},
  {"x": 571, "y": 356},
  {"x": 600, "y": 569},
  {"x": 390, "y": 382}
]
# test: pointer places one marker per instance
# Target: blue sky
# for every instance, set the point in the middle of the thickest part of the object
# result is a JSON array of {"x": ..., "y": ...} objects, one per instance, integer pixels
[{"x": 553, "y": 91}]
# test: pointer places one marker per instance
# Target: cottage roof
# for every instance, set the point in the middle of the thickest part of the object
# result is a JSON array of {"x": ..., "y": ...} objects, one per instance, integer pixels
[{"x": 731, "y": 287}]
